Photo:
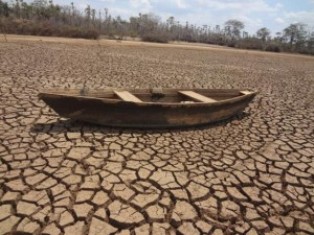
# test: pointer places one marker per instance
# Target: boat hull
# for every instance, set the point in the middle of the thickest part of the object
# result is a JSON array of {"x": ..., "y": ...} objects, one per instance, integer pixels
[{"x": 144, "y": 115}]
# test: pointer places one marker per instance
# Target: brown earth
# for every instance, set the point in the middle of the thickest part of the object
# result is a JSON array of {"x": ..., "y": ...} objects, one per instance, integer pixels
[{"x": 253, "y": 174}]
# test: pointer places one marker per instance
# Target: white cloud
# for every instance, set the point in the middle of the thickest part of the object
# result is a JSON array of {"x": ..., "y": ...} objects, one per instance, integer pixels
[
  {"x": 251, "y": 24},
  {"x": 181, "y": 4},
  {"x": 124, "y": 13},
  {"x": 279, "y": 20},
  {"x": 254, "y": 13},
  {"x": 138, "y": 6},
  {"x": 81, "y": 5},
  {"x": 306, "y": 17},
  {"x": 108, "y": 1},
  {"x": 242, "y": 5},
  {"x": 141, "y": 4}
]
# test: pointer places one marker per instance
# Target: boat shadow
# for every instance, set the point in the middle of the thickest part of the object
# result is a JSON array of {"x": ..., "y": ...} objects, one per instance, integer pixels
[{"x": 63, "y": 126}]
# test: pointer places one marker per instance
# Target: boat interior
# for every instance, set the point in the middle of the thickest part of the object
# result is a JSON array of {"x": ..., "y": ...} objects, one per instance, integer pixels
[{"x": 159, "y": 95}]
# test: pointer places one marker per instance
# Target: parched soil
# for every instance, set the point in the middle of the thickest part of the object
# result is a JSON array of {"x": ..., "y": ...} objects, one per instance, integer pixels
[{"x": 253, "y": 174}]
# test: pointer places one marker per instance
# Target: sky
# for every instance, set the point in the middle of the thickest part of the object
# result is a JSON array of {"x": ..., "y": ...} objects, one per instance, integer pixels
[{"x": 273, "y": 14}]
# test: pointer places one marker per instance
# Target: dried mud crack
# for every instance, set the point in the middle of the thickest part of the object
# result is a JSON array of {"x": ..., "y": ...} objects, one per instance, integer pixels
[{"x": 253, "y": 174}]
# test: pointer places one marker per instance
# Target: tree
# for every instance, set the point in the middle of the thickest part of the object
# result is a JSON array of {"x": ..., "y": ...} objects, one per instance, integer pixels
[
  {"x": 93, "y": 15},
  {"x": 217, "y": 28},
  {"x": 295, "y": 34},
  {"x": 310, "y": 43},
  {"x": 148, "y": 22},
  {"x": 40, "y": 3},
  {"x": 134, "y": 26},
  {"x": 26, "y": 10},
  {"x": 4, "y": 9},
  {"x": 170, "y": 21},
  {"x": 88, "y": 13},
  {"x": 263, "y": 34},
  {"x": 233, "y": 28},
  {"x": 72, "y": 13},
  {"x": 17, "y": 9}
]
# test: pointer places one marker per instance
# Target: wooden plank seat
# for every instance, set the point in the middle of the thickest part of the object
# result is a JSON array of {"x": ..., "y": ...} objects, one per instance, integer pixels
[
  {"x": 197, "y": 97},
  {"x": 127, "y": 96},
  {"x": 246, "y": 92}
]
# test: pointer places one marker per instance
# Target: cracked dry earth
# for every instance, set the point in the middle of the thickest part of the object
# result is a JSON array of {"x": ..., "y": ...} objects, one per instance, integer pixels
[{"x": 253, "y": 174}]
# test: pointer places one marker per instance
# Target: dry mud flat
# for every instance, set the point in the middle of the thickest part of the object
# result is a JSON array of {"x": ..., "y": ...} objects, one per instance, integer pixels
[{"x": 251, "y": 175}]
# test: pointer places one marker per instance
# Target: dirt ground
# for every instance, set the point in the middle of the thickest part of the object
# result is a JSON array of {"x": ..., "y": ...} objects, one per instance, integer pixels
[{"x": 253, "y": 174}]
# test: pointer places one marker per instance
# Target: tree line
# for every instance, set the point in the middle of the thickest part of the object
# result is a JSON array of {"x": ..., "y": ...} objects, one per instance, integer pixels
[{"x": 43, "y": 17}]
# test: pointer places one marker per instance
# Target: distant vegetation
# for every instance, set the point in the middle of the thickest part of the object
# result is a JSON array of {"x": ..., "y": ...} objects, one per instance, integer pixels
[{"x": 42, "y": 17}]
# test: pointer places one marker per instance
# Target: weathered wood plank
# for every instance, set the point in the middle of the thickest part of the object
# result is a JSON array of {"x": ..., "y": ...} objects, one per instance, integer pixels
[
  {"x": 197, "y": 97},
  {"x": 127, "y": 96},
  {"x": 246, "y": 92}
]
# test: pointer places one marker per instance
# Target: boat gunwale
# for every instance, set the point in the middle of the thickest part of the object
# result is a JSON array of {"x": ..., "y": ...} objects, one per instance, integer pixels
[{"x": 166, "y": 104}]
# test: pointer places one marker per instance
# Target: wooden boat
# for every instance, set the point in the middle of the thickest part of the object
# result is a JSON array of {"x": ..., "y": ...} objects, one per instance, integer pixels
[{"x": 148, "y": 107}]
